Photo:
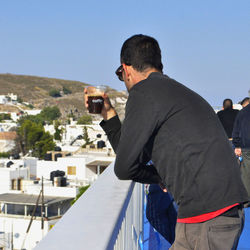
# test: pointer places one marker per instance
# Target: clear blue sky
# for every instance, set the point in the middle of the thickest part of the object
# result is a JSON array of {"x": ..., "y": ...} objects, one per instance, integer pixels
[{"x": 205, "y": 44}]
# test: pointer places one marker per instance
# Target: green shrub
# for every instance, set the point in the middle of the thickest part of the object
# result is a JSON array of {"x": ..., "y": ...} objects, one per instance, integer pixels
[
  {"x": 55, "y": 93},
  {"x": 81, "y": 191},
  {"x": 66, "y": 91},
  {"x": 85, "y": 119},
  {"x": 4, "y": 154}
]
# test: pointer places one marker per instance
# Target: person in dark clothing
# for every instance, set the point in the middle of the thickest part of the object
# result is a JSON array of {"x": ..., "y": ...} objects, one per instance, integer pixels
[
  {"x": 179, "y": 131},
  {"x": 241, "y": 141},
  {"x": 227, "y": 116}
]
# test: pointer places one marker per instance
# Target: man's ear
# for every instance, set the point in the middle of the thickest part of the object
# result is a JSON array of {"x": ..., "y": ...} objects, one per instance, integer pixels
[{"x": 127, "y": 69}]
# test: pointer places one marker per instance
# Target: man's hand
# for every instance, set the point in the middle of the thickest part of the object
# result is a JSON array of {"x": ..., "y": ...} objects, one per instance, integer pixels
[
  {"x": 108, "y": 110},
  {"x": 237, "y": 151},
  {"x": 162, "y": 186}
]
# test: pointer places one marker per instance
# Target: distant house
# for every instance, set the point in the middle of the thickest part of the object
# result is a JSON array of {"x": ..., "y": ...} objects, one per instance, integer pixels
[
  {"x": 3, "y": 99},
  {"x": 12, "y": 96},
  {"x": 15, "y": 217},
  {"x": 7, "y": 141},
  {"x": 12, "y": 176},
  {"x": 33, "y": 111},
  {"x": 81, "y": 169}
]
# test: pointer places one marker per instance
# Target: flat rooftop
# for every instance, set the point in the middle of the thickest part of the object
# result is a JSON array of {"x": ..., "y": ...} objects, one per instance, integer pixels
[{"x": 30, "y": 199}]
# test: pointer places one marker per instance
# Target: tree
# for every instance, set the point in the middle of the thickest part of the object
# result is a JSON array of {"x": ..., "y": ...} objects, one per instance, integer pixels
[
  {"x": 19, "y": 99},
  {"x": 55, "y": 93},
  {"x": 32, "y": 136},
  {"x": 43, "y": 145},
  {"x": 4, "y": 154},
  {"x": 66, "y": 91},
  {"x": 85, "y": 119},
  {"x": 86, "y": 137},
  {"x": 30, "y": 106},
  {"x": 50, "y": 114},
  {"x": 4, "y": 116},
  {"x": 59, "y": 132},
  {"x": 81, "y": 191}
]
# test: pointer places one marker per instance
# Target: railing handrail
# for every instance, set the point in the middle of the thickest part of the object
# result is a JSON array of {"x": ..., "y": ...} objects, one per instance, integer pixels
[{"x": 94, "y": 220}]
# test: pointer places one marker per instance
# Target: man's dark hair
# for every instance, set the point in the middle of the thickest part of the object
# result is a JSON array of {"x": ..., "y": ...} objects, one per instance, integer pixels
[
  {"x": 141, "y": 52},
  {"x": 227, "y": 104},
  {"x": 245, "y": 101}
]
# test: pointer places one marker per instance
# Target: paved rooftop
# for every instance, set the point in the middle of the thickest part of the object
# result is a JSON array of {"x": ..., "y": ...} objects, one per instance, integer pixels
[{"x": 28, "y": 199}]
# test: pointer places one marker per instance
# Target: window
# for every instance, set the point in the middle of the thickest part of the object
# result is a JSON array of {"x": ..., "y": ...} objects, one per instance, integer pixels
[{"x": 71, "y": 170}]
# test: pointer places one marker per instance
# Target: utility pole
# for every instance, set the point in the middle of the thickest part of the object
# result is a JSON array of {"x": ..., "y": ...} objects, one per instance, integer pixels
[
  {"x": 42, "y": 207},
  {"x": 31, "y": 220},
  {"x": 12, "y": 245}
]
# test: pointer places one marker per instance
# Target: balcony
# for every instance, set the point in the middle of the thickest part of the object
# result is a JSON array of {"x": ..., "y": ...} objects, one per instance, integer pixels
[{"x": 110, "y": 215}]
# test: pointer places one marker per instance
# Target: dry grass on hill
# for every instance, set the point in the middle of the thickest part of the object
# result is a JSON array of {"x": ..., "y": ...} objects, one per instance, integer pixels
[{"x": 35, "y": 90}]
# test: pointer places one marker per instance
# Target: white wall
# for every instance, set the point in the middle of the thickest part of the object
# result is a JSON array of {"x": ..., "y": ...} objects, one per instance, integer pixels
[
  {"x": 6, "y": 126},
  {"x": 31, "y": 164},
  {"x": 72, "y": 131},
  {"x": 19, "y": 226},
  {"x": 19, "y": 173},
  {"x": 8, "y": 174},
  {"x": 3, "y": 99},
  {"x": 33, "y": 111},
  {"x": 44, "y": 168},
  {"x": 50, "y": 190},
  {"x": 5, "y": 183},
  {"x": 6, "y": 145}
]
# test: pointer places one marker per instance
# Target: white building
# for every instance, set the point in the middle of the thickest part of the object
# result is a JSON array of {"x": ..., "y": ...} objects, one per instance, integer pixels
[
  {"x": 3, "y": 99},
  {"x": 18, "y": 195},
  {"x": 80, "y": 170},
  {"x": 21, "y": 184},
  {"x": 16, "y": 216},
  {"x": 7, "y": 126},
  {"x": 7, "y": 141},
  {"x": 71, "y": 133},
  {"x": 13, "y": 173},
  {"x": 33, "y": 111},
  {"x": 12, "y": 97},
  {"x": 11, "y": 176}
]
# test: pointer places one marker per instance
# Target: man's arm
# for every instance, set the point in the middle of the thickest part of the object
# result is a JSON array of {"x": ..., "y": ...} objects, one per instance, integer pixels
[
  {"x": 139, "y": 125},
  {"x": 112, "y": 128},
  {"x": 236, "y": 136}
]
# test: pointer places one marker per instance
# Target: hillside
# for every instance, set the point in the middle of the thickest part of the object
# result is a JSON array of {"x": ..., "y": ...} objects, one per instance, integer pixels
[{"x": 35, "y": 90}]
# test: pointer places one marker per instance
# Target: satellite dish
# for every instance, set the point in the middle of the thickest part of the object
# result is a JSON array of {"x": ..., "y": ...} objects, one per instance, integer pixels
[{"x": 16, "y": 235}]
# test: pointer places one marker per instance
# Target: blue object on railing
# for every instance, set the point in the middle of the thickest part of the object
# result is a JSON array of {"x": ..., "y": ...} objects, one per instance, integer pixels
[{"x": 141, "y": 241}]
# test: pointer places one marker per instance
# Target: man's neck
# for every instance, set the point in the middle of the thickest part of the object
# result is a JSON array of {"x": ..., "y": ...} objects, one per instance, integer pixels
[{"x": 140, "y": 76}]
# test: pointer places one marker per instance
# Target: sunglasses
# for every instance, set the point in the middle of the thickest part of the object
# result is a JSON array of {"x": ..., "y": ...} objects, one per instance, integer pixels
[{"x": 118, "y": 72}]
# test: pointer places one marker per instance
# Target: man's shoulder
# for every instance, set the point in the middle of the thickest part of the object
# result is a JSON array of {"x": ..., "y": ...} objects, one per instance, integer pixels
[
  {"x": 228, "y": 111},
  {"x": 220, "y": 112},
  {"x": 156, "y": 82},
  {"x": 245, "y": 111}
]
